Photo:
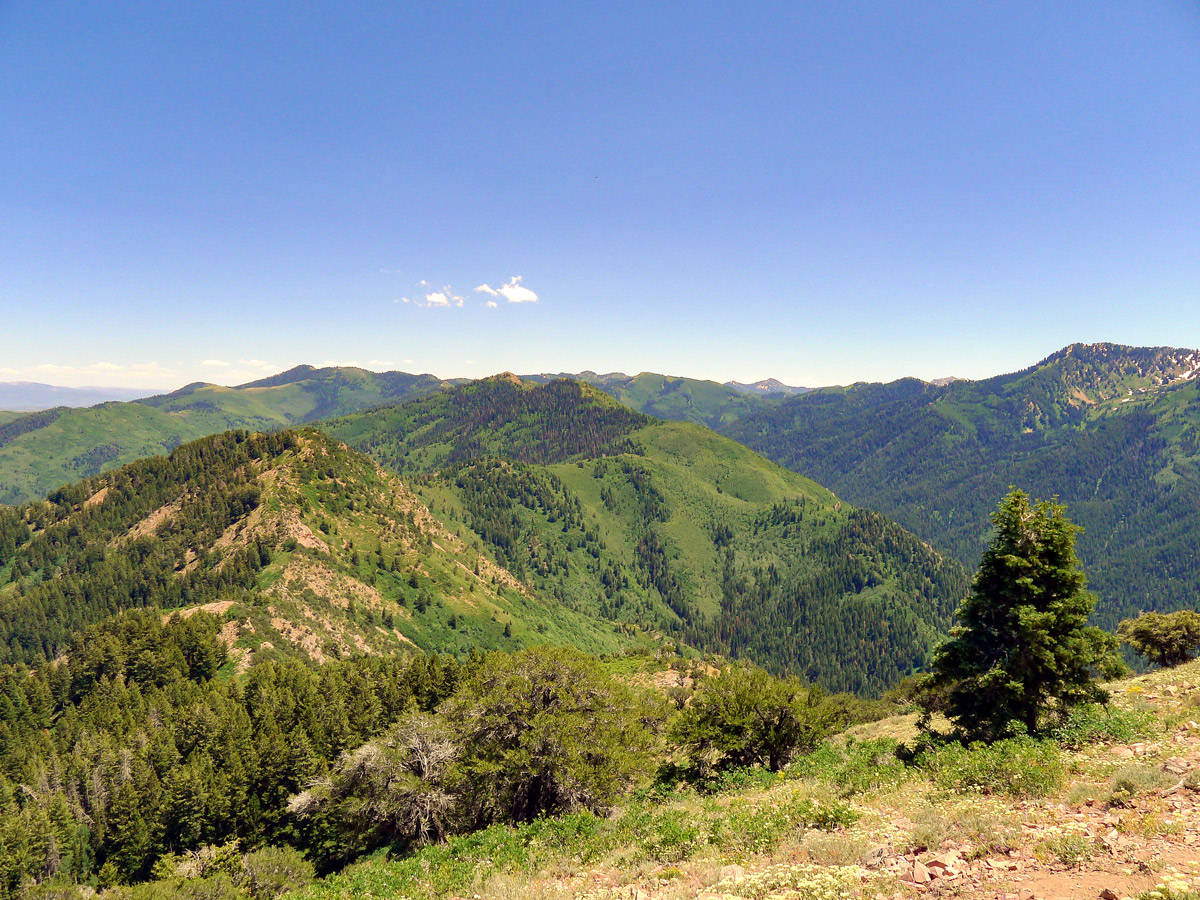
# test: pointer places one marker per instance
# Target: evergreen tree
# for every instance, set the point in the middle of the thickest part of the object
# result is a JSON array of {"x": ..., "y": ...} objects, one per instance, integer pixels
[{"x": 1022, "y": 646}]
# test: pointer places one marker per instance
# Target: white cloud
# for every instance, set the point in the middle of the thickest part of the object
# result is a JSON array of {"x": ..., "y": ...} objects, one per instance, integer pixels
[
  {"x": 106, "y": 367},
  {"x": 53, "y": 369},
  {"x": 513, "y": 292},
  {"x": 492, "y": 304},
  {"x": 5, "y": 370},
  {"x": 443, "y": 299},
  {"x": 258, "y": 364},
  {"x": 215, "y": 364}
]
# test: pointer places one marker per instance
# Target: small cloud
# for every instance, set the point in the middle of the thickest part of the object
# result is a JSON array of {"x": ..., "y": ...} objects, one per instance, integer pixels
[
  {"x": 54, "y": 369},
  {"x": 106, "y": 367},
  {"x": 468, "y": 362},
  {"x": 513, "y": 292},
  {"x": 443, "y": 299},
  {"x": 262, "y": 365},
  {"x": 215, "y": 364},
  {"x": 492, "y": 304},
  {"x": 5, "y": 370},
  {"x": 408, "y": 362}
]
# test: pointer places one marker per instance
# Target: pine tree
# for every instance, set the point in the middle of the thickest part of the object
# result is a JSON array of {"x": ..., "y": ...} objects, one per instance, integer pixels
[{"x": 1022, "y": 646}]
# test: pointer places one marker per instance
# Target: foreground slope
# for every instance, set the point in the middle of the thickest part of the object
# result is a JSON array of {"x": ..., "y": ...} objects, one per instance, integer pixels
[
  {"x": 44, "y": 450},
  {"x": 302, "y": 545},
  {"x": 671, "y": 526},
  {"x": 1113, "y": 810},
  {"x": 1111, "y": 430}
]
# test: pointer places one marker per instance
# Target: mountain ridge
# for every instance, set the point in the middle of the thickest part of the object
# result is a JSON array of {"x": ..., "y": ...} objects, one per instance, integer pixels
[
  {"x": 1110, "y": 429},
  {"x": 670, "y": 526}
]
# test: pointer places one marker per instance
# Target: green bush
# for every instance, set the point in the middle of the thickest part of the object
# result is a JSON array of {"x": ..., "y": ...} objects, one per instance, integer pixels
[
  {"x": 1135, "y": 779},
  {"x": 1168, "y": 639},
  {"x": 759, "y": 827},
  {"x": 274, "y": 871},
  {"x": 1092, "y": 723},
  {"x": 744, "y": 716},
  {"x": 854, "y": 769},
  {"x": 1018, "y": 767},
  {"x": 736, "y": 781},
  {"x": 672, "y": 838}
]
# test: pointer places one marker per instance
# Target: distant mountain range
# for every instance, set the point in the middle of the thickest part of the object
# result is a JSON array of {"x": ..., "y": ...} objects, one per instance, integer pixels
[
  {"x": 28, "y": 396},
  {"x": 43, "y": 450},
  {"x": 766, "y": 388}
]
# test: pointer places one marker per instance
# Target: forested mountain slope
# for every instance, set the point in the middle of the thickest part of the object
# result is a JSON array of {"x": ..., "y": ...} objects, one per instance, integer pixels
[
  {"x": 302, "y": 546},
  {"x": 1112, "y": 430},
  {"x": 45, "y": 450},
  {"x": 671, "y": 526},
  {"x": 682, "y": 399}
]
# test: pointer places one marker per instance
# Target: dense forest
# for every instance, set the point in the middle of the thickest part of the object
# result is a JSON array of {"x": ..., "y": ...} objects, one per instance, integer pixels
[
  {"x": 129, "y": 746},
  {"x": 1109, "y": 430}
]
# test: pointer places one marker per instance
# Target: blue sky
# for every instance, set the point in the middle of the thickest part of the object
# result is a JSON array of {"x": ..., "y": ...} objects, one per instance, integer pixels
[{"x": 818, "y": 192}]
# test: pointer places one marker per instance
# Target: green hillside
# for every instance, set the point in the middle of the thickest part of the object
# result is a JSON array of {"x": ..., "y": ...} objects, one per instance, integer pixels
[
  {"x": 672, "y": 397},
  {"x": 670, "y": 526},
  {"x": 42, "y": 451},
  {"x": 299, "y": 544},
  {"x": 1110, "y": 429}
]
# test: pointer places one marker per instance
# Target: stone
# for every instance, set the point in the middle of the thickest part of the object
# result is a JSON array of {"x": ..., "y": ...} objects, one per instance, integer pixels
[
  {"x": 1176, "y": 765},
  {"x": 1108, "y": 894},
  {"x": 920, "y": 874},
  {"x": 733, "y": 873}
]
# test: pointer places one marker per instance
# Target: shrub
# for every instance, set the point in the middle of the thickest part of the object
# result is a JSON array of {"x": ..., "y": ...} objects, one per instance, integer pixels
[
  {"x": 1135, "y": 779},
  {"x": 759, "y": 827},
  {"x": 672, "y": 838},
  {"x": 1092, "y": 723},
  {"x": 546, "y": 731},
  {"x": 1018, "y": 767},
  {"x": 394, "y": 788},
  {"x": 1069, "y": 849},
  {"x": 734, "y": 781},
  {"x": 1165, "y": 639},
  {"x": 857, "y": 768},
  {"x": 274, "y": 871},
  {"x": 744, "y": 716}
]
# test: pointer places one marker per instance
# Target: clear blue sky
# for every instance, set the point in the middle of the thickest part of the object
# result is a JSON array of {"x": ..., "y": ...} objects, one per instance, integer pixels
[{"x": 819, "y": 192}]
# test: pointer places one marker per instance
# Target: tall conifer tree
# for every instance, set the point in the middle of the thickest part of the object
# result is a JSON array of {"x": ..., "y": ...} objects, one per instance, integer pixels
[{"x": 1022, "y": 645}]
